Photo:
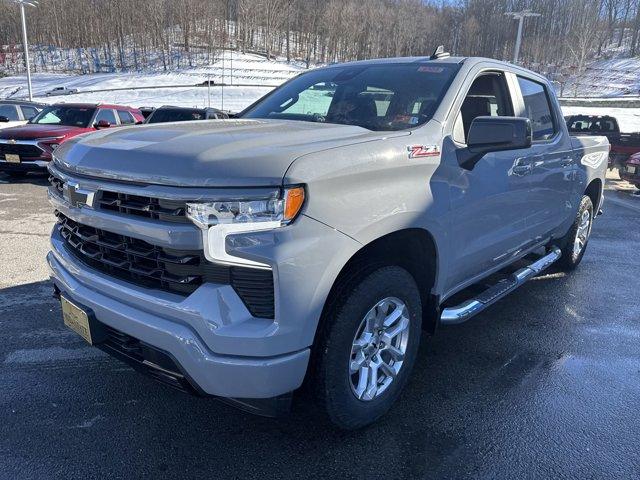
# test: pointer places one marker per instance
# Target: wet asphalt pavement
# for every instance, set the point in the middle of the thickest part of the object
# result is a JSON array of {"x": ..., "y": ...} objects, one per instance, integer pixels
[{"x": 544, "y": 384}]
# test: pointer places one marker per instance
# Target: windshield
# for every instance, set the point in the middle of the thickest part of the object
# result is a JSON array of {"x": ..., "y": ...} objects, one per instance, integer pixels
[
  {"x": 176, "y": 115},
  {"x": 376, "y": 97},
  {"x": 65, "y": 115}
]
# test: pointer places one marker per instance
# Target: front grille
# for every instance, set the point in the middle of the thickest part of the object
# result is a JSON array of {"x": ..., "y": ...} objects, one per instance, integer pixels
[
  {"x": 138, "y": 205},
  {"x": 26, "y": 151},
  {"x": 148, "y": 207},
  {"x": 177, "y": 271}
]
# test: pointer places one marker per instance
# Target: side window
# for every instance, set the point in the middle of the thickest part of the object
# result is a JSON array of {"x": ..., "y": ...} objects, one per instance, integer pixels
[
  {"x": 125, "y": 117},
  {"x": 106, "y": 114},
  {"x": 538, "y": 109},
  {"x": 10, "y": 112},
  {"x": 29, "y": 112},
  {"x": 487, "y": 97}
]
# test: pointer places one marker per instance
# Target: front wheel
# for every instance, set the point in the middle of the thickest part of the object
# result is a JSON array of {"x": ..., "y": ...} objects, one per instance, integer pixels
[
  {"x": 574, "y": 243},
  {"x": 368, "y": 346}
]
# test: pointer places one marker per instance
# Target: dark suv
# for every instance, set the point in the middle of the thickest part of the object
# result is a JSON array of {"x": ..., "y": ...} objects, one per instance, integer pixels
[{"x": 168, "y": 113}]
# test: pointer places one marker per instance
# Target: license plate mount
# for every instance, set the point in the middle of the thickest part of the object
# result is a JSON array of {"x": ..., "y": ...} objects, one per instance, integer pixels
[{"x": 82, "y": 321}]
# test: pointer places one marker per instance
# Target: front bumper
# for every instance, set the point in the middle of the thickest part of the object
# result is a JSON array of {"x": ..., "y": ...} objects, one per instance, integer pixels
[
  {"x": 235, "y": 376},
  {"x": 24, "y": 166}
]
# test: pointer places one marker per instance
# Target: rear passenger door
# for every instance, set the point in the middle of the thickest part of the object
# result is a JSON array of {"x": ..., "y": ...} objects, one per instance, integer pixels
[{"x": 551, "y": 160}]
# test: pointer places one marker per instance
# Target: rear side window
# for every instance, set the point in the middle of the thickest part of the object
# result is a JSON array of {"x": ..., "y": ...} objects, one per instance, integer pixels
[
  {"x": 10, "y": 112},
  {"x": 126, "y": 118},
  {"x": 107, "y": 115},
  {"x": 538, "y": 109},
  {"x": 29, "y": 112}
]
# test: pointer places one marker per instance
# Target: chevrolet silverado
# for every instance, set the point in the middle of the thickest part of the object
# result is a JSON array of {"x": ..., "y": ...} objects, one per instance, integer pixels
[{"x": 315, "y": 236}]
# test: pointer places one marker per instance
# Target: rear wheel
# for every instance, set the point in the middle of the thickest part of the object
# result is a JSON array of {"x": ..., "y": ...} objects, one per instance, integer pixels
[
  {"x": 368, "y": 347},
  {"x": 575, "y": 242}
]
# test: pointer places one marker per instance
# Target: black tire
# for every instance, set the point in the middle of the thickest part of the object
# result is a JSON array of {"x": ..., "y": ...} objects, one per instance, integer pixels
[
  {"x": 332, "y": 381},
  {"x": 570, "y": 259}
]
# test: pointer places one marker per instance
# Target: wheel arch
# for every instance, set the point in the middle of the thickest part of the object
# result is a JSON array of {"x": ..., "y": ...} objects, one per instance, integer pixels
[
  {"x": 594, "y": 191},
  {"x": 414, "y": 249}
]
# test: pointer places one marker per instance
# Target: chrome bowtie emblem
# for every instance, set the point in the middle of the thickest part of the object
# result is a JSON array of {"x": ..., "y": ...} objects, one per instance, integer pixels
[
  {"x": 78, "y": 197},
  {"x": 12, "y": 142}
]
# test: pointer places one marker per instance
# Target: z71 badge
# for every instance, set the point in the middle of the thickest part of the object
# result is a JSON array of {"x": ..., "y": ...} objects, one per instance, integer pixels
[{"x": 417, "y": 151}]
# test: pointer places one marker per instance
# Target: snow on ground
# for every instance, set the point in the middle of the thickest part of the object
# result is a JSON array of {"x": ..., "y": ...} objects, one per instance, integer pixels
[
  {"x": 234, "y": 68},
  {"x": 607, "y": 78}
]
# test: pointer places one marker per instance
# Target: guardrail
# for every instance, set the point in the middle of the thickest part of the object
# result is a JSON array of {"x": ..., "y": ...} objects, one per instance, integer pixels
[{"x": 617, "y": 102}]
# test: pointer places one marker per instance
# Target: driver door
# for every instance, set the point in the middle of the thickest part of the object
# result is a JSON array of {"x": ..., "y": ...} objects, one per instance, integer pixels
[{"x": 489, "y": 202}]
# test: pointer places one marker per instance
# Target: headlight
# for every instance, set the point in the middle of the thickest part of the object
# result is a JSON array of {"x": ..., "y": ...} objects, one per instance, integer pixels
[
  {"x": 226, "y": 217},
  {"x": 281, "y": 210}
]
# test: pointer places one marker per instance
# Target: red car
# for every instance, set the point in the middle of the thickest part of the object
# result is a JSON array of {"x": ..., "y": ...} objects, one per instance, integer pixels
[
  {"x": 28, "y": 148},
  {"x": 631, "y": 170}
]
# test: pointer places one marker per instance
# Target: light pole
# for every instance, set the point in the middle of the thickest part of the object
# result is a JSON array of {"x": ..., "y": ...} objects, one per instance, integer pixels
[
  {"x": 25, "y": 45},
  {"x": 520, "y": 16}
]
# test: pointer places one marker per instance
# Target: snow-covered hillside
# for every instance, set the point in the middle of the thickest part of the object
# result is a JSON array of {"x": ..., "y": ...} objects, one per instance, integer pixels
[
  {"x": 607, "y": 78},
  {"x": 156, "y": 89},
  {"x": 256, "y": 74}
]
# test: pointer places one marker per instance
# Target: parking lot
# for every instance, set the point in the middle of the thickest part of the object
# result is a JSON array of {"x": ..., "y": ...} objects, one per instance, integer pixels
[{"x": 544, "y": 384}]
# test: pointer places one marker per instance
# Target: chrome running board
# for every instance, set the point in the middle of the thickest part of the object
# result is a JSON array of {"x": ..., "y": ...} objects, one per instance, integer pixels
[{"x": 463, "y": 312}]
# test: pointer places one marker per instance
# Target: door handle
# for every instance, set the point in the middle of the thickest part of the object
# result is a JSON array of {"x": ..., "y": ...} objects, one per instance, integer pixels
[
  {"x": 566, "y": 161},
  {"x": 521, "y": 167}
]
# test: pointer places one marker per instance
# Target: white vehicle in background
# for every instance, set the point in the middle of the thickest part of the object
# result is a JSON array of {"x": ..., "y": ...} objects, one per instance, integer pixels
[
  {"x": 61, "y": 91},
  {"x": 14, "y": 113}
]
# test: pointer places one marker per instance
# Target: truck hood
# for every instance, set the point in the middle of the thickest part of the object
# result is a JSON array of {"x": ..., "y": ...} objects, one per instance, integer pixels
[
  {"x": 216, "y": 153},
  {"x": 35, "y": 131}
]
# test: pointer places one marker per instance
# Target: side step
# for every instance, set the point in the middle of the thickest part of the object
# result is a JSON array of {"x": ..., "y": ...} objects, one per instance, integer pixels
[{"x": 463, "y": 312}]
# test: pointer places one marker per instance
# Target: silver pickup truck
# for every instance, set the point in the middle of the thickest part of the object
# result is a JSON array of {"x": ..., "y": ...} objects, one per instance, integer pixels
[{"x": 316, "y": 236}]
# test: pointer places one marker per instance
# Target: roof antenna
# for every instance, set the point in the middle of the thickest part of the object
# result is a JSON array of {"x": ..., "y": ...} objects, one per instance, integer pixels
[{"x": 439, "y": 53}]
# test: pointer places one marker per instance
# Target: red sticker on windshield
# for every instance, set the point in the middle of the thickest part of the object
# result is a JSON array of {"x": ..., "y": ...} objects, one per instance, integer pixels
[{"x": 418, "y": 151}]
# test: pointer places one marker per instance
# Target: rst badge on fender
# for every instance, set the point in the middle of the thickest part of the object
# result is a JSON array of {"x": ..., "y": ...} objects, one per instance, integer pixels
[{"x": 417, "y": 151}]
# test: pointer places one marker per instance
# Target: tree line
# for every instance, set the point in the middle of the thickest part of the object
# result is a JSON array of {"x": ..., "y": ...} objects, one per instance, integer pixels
[{"x": 137, "y": 34}]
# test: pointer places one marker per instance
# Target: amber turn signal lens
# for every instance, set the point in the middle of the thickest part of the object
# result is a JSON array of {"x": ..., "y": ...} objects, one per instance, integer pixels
[{"x": 294, "y": 198}]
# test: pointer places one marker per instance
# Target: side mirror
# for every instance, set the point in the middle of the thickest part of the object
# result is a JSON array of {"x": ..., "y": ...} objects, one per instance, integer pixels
[
  {"x": 494, "y": 134},
  {"x": 102, "y": 124},
  {"x": 4, "y": 119}
]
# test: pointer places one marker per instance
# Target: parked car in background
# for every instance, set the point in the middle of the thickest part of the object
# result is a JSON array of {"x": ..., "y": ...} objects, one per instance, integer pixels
[
  {"x": 622, "y": 144},
  {"x": 316, "y": 236},
  {"x": 169, "y": 113},
  {"x": 17, "y": 112},
  {"x": 61, "y": 91},
  {"x": 631, "y": 170},
  {"x": 28, "y": 148}
]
